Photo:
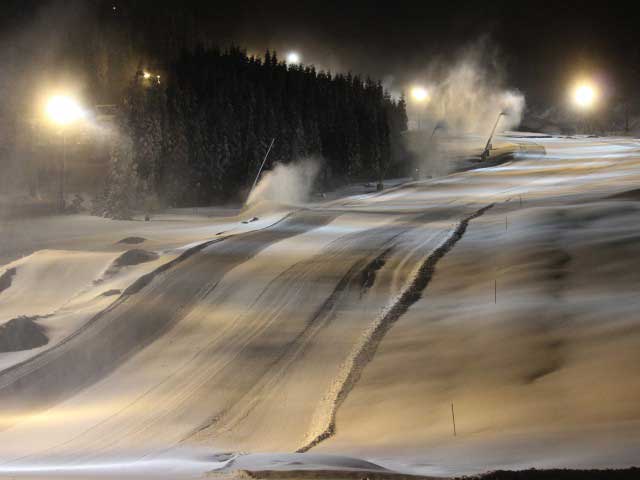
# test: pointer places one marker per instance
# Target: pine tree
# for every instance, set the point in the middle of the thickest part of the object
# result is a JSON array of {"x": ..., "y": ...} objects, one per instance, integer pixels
[
  {"x": 120, "y": 196},
  {"x": 200, "y": 135}
]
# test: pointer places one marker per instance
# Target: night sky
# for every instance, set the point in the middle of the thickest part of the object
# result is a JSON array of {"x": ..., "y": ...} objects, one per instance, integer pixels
[{"x": 539, "y": 46}]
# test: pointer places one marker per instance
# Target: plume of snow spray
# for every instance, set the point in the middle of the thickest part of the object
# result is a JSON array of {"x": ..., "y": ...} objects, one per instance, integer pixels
[
  {"x": 469, "y": 100},
  {"x": 466, "y": 96},
  {"x": 286, "y": 184}
]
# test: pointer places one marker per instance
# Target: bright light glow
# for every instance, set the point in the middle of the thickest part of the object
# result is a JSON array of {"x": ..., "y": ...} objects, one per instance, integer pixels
[
  {"x": 63, "y": 110},
  {"x": 146, "y": 75},
  {"x": 293, "y": 57},
  {"x": 584, "y": 95},
  {"x": 419, "y": 94}
]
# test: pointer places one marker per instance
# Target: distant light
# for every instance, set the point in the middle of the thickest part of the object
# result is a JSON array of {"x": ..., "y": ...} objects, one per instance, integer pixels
[
  {"x": 584, "y": 95},
  {"x": 419, "y": 94},
  {"x": 63, "y": 110},
  {"x": 146, "y": 75},
  {"x": 293, "y": 58}
]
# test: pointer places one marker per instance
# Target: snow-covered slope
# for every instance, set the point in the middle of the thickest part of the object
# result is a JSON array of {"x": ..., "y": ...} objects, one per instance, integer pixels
[{"x": 350, "y": 328}]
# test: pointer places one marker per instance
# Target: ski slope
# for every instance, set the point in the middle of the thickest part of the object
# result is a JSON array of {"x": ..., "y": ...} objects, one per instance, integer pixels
[{"x": 346, "y": 328}]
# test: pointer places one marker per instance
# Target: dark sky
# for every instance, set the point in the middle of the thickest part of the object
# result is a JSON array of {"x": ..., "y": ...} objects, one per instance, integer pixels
[{"x": 540, "y": 45}]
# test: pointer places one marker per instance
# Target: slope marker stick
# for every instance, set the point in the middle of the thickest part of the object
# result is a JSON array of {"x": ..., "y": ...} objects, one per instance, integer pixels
[{"x": 453, "y": 419}]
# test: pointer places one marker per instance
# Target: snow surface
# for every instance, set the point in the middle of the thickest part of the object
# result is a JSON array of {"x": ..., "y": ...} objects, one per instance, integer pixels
[{"x": 231, "y": 349}]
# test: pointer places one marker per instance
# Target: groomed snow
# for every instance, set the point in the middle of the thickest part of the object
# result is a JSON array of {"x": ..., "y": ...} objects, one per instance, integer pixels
[{"x": 237, "y": 336}]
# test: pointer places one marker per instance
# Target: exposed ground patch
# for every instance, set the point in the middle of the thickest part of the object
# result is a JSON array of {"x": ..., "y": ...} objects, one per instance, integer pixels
[
  {"x": 109, "y": 293},
  {"x": 22, "y": 333},
  {"x": 6, "y": 278},
  {"x": 366, "y": 350},
  {"x": 627, "y": 195},
  {"x": 368, "y": 274},
  {"x": 132, "y": 240}
]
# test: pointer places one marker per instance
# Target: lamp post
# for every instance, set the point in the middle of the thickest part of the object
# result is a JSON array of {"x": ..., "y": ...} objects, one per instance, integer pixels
[
  {"x": 63, "y": 111},
  {"x": 293, "y": 58},
  {"x": 584, "y": 97},
  {"x": 421, "y": 96}
]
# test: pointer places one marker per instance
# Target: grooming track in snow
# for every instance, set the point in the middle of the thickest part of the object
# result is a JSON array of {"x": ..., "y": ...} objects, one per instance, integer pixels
[{"x": 365, "y": 351}]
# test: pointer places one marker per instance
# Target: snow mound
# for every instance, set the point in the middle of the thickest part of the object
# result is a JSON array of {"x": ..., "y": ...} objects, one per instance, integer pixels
[
  {"x": 298, "y": 461},
  {"x": 134, "y": 257},
  {"x": 22, "y": 333},
  {"x": 48, "y": 279}
]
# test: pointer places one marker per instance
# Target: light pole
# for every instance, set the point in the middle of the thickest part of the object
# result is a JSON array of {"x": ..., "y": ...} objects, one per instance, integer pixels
[
  {"x": 63, "y": 111},
  {"x": 421, "y": 96},
  {"x": 487, "y": 149},
  {"x": 293, "y": 58},
  {"x": 584, "y": 97}
]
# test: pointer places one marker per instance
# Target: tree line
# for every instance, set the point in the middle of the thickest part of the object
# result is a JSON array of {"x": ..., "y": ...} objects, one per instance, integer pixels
[{"x": 197, "y": 131}]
